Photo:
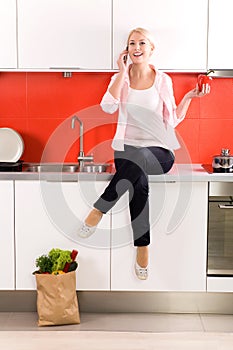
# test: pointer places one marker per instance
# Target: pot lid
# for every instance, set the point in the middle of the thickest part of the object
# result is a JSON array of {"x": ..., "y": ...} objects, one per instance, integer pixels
[{"x": 11, "y": 145}]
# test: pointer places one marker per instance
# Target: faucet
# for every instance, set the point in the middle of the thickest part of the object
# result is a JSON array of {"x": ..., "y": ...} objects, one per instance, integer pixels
[{"x": 81, "y": 156}]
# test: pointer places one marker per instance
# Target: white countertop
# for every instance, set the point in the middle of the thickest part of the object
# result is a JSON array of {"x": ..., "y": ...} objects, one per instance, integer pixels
[{"x": 179, "y": 172}]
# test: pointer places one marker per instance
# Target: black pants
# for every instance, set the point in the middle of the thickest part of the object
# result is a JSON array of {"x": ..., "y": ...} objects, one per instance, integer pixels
[{"x": 133, "y": 165}]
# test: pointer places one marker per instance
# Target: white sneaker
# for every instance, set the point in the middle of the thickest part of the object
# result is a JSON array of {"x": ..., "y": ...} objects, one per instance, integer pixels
[
  {"x": 86, "y": 230},
  {"x": 141, "y": 272}
]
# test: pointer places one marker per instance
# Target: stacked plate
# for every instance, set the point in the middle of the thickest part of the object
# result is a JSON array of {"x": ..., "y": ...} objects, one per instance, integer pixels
[{"x": 11, "y": 149}]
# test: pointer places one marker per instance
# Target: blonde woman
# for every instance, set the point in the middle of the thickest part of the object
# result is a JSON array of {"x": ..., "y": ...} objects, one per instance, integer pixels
[{"x": 144, "y": 140}]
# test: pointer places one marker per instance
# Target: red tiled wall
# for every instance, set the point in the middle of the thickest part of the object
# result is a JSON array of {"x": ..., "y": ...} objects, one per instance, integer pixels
[{"x": 40, "y": 105}]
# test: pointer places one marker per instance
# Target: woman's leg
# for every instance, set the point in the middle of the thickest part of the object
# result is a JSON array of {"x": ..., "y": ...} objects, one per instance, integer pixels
[
  {"x": 158, "y": 161},
  {"x": 139, "y": 211},
  {"x": 128, "y": 170},
  {"x": 132, "y": 167},
  {"x": 110, "y": 194},
  {"x": 93, "y": 217}
]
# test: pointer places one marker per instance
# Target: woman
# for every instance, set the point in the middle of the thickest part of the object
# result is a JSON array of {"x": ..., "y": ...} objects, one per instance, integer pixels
[{"x": 144, "y": 139}]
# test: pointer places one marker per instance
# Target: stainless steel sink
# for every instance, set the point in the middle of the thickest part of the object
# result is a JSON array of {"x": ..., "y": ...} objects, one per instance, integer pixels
[
  {"x": 65, "y": 167},
  {"x": 51, "y": 167},
  {"x": 95, "y": 168}
]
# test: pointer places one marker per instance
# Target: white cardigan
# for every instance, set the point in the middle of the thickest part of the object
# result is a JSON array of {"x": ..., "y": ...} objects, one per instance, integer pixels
[{"x": 110, "y": 105}]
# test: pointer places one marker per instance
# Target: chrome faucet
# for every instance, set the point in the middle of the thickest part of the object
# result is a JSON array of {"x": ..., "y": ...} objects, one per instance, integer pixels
[{"x": 81, "y": 156}]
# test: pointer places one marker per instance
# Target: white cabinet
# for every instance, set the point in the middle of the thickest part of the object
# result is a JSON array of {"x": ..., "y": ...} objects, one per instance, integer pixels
[
  {"x": 178, "y": 218},
  {"x": 8, "y": 57},
  {"x": 220, "y": 50},
  {"x": 179, "y": 28},
  {"x": 64, "y": 34},
  {"x": 7, "y": 235},
  {"x": 48, "y": 215}
]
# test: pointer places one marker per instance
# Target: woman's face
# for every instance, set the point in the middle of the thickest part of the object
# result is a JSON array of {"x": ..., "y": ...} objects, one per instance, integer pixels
[{"x": 139, "y": 48}]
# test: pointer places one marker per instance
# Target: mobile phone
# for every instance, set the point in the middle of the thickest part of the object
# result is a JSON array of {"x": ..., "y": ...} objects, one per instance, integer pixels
[{"x": 126, "y": 56}]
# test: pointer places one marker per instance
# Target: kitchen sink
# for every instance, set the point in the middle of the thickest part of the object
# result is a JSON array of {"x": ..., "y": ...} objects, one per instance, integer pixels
[
  {"x": 50, "y": 167},
  {"x": 65, "y": 167},
  {"x": 95, "y": 168}
]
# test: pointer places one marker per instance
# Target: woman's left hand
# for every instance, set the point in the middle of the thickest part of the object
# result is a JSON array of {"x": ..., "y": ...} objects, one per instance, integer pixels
[{"x": 196, "y": 93}]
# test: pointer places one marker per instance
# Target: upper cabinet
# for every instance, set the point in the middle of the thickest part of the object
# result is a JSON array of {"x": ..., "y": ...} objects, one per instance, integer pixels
[
  {"x": 220, "y": 50},
  {"x": 179, "y": 28},
  {"x": 89, "y": 35},
  {"x": 8, "y": 57},
  {"x": 64, "y": 34}
]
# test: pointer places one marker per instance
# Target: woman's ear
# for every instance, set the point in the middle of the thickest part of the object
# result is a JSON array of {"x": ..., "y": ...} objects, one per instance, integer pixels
[{"x": 152, "y": 50}]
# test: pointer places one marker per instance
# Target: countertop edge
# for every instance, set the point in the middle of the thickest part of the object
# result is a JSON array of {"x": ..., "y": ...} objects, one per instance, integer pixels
[{"x": 178, "y": 173}]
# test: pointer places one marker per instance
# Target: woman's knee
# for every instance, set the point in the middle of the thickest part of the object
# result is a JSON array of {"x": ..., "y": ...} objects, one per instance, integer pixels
[{"x": 141, "y": 187}]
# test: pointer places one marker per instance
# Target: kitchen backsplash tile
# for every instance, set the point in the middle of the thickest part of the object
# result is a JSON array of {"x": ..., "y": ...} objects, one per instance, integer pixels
[
  {"x": 219, "y": 104},
  {"x": 40, "y": 105},
  {"x": 13, "y": 95},
  {"x": 215, "y": 134},
  {"x": 188, "y": 136}
]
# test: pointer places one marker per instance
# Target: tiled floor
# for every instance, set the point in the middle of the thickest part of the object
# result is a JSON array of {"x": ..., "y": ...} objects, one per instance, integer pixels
[
  {"x": 90, "y": 340},
  {"x": 119, "y": 331},
  {"x": 124, "y": 322}
]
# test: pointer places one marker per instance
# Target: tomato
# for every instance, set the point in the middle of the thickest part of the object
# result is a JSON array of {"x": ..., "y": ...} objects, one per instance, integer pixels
[{"x": 203, "y": 79}]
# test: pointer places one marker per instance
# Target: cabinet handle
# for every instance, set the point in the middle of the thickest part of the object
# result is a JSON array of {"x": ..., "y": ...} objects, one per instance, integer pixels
[
  {"x": 66, "y": 68},
  {"x": 225, "y": 206}
]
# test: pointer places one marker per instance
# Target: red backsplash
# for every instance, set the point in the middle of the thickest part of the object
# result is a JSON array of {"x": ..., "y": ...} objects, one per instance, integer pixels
[{"x": 40, "y": 106}]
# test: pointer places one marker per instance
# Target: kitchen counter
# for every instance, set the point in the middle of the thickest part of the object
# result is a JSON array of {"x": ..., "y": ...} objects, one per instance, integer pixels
[{"x": 179, "y": 172}]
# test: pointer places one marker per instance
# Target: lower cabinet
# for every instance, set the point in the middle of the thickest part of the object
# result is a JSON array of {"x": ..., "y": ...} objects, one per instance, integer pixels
[
  {"x": 178, "y": 218},
  {"x": 48, "y": 215},
  {"x": 7, "y": 260}
]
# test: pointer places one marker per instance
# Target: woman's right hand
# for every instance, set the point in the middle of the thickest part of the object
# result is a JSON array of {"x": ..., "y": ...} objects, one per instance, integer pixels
[
  {"x": 121, "y": 63},
  {"x": 116, "y": 87}
]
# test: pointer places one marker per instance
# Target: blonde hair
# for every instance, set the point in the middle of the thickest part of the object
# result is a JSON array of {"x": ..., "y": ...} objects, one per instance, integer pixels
[{"x": 145, "y": 33}]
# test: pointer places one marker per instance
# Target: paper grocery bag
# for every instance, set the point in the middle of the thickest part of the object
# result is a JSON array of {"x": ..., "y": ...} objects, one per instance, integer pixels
[{"x": 57, "y": 301}]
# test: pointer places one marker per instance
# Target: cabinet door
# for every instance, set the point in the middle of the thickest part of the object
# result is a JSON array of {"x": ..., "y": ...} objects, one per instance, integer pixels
[
  {"x": 8, "y": 57},
  {"x": 48, "y": 215},
  {"x": 7, "y": 235},
  {"x": 220, "y": 50},
  {"x": 64, "y": 34},
  {"x": 179, "y": 28},
  {"x": 178, "y": 219}
]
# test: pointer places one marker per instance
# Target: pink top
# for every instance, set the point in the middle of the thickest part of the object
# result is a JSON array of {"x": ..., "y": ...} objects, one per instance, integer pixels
[{"x": 164, "y": 88}]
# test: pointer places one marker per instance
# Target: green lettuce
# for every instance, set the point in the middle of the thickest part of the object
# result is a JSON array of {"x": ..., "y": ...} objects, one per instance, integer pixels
[{"x": 59, "y": 258}]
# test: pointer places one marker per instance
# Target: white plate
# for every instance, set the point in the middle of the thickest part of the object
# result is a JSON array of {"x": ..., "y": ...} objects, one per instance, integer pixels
[{"x": 11, "y": 145}]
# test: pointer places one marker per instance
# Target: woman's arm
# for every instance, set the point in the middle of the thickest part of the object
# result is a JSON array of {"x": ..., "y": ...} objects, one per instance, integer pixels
[
  {"x": 116, "y": 87},
  {"x": 172, "y": 113},
  {"x": 109, "y": 102},
  {"x": 183, "y": 106},
  {"x": 111, "y": 99}
]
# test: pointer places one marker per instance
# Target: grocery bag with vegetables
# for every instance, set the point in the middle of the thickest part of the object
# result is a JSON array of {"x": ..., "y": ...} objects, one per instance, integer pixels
[
  {"x": 57, "y": 261},
  {"x": 57, "y": 302}
]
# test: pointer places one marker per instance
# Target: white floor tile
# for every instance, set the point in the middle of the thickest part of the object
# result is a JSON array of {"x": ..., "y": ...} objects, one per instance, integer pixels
[
  {"x": 124, "y": 322},
  {"x": 217, "y": 323},
  {"x": 116, "y": 322},
  {"x": 115, "y": 341},
  {"x": 4, "y": 316},
  {"x": 141, "y": 322}
]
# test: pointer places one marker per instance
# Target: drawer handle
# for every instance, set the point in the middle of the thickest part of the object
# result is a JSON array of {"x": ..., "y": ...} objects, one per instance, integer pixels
[{"x": 225, "y": 206}]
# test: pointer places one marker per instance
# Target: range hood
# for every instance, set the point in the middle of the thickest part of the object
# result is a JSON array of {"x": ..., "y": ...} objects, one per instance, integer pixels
[{"x": 221, "y": 73}]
